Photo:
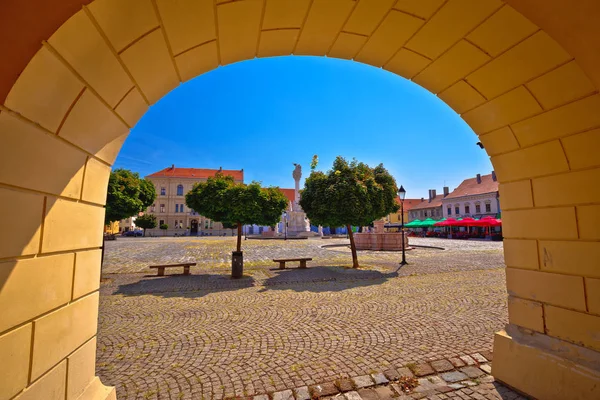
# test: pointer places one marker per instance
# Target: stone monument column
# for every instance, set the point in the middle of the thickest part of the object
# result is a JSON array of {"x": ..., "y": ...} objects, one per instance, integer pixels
[
  {"x": 298, "y": 224},
  {"x": 297, "y": 174}
]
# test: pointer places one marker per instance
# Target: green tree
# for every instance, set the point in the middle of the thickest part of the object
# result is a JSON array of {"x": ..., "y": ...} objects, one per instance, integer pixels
[
  {"x": 349, "y": 194},
  {"x": 127, "y": 195},
  {"x": 236, "y": 204},
  {"x": 146, "y": 221},
  {"x": 164, "y": 227}
]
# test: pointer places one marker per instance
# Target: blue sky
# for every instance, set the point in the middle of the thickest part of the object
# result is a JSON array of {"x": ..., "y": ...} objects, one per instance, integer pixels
[{"x": 263, "y": 115}]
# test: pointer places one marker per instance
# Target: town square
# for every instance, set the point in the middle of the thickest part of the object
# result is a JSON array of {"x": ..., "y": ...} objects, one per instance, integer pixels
[{"x": 299, "y": 199}]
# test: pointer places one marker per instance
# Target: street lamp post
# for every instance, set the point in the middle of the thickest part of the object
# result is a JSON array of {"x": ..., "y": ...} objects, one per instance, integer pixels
[
  {"x": 402, "y": 195},
  {"x": 285, "y": 225}
]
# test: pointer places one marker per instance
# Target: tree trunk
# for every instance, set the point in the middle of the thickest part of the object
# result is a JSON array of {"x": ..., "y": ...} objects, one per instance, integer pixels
[
  {"x": 352, "y": 247},
  {"x": 239, "y": 236}
]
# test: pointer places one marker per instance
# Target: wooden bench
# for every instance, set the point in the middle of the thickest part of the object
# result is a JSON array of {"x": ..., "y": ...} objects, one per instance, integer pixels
[
  {"x": 302, "y": 260},
  {"x": 161, "y": 268}
]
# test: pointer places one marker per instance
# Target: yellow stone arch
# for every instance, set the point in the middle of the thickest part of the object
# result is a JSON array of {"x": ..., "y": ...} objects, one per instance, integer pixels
[{"x": 77, "y": 75}]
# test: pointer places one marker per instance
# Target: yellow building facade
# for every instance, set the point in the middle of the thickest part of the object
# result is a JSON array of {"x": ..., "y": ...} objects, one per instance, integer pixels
[{"x": 77, "y": 75}]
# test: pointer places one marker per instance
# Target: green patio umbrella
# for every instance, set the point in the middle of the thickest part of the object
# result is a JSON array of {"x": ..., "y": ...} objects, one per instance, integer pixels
[
  {"x": 429, "y": 222},
  {"x": 413, "y": 224}
]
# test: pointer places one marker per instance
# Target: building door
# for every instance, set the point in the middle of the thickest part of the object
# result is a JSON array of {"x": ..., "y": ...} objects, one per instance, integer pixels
[{"x": 194, "y": 227}]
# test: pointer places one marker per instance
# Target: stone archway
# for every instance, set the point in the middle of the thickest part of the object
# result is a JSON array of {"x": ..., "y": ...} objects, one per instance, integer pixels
[{"x": 74, "y": 80}]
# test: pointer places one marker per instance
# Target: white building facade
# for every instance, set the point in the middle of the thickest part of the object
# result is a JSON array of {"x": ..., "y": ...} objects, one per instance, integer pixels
[
  {"x": 475, "y": 197},
  {"x": 172, "y": 184}
]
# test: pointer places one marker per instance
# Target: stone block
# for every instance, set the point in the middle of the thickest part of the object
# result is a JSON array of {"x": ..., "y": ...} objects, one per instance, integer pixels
[
  {"x": 363, "y": 381},
  {"x": 575, "y": 188},
  {"x": 124, "y": 22},
  {"x": 541, "y": 223},
  {"x": 521, "y": 253},
  {"x": 25, "y": 211},
  {"x": 238, "y": 30},
  {"x": 576, "y": 327},
  {"x": 51, "y": 386},
  {"x": 62, "y": 331},
  {"x": 283, "y": 395},
  {"x": 346, "y": 45},
  {"x": 42, "y": 76},
  {"x": 462, "y": 97},
  {"x": 262, "y": 397},
  {"x": 149, "y": 62},
  {"x": 81, "y": 369},
  {"x": 368, "y": 394},
  {"x": 500, "y": 141},
  {"x": 366, "y": 17},
  {"x": 389, "y": 36},
  {"x": 392, "y": 374},
  {"x": 487, "y": 368},
  {"x": 322, "y": 390},
  {"x": 24, "y": 278},
  {"x": 525, "y": 313},
  {"x": 460, "y": 60},
  {"x": 345, "y": 385},
  {"x": 468, "y": 360},
  {"x": 448, "y": 25},
  {"x": 69, "y": 225},
  {"x": 352, "y": 396},
  {"x": 561, "y": 85},
  {"x": 516, "y": 195},
  {"x": 571, "y": 257},
  {"x": 457, "y": 362},
  {"x": 384, "y": 392},
  {"x": 95, "y": 184},
  {"x": 132, "y": 107},
  {"x": 472, "y": 372},
  {"x": 91, "y": 125},
  {"x": 429, "y": 384},
  {"x": 511, "y": 107},
  {"x": 407, "y": 63},
  {"x": 529, "y": 59},
  {"x": 442, "y": 365},
  {"x": 403, "y": 371},
  {"x": 542, "y": 159},
  {"x": 100, "y": 68},
  {"x": 15, "y": 347},
  {"x": 87, "y": 272},
  {"x": 501, "y": 31},
  {"x": 454, "y": 376},
  {"x": 379, "y": 378},
  {"x": 581, "y": 149},
  {"x": 302, "y": 393},
  {"x": 556, "y": 123},
  {"x": 592, "y": 287},
  {"x": 67, "y": 162},
  {"x": 423, "y": 369},
  {"x": 561, "y": 290},
  {"x": 456, "y": 386},
  {"x": 588, "y": 219}
]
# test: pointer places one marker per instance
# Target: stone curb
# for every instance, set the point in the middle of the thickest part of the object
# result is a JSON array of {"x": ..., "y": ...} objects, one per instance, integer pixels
[{"x": 434, "y": 377}]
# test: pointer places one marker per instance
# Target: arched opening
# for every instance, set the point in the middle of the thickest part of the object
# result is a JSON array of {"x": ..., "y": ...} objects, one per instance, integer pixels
[{"x": 530, "y": 94}]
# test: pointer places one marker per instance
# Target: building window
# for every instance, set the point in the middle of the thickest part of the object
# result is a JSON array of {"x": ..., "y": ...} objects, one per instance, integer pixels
[
  {"x": 163, "y": 191},
  {"x": 467, "y": 209},
  {"x": 153, "y": 208},
  {"x": 449, "y": 210},
  {"x": 181, "y": 224},
  {"x": 179, "y": 190},
  {"x": 162, "y": 208},
  {"x": 477, "y": 208},
  {"x": 181, "y": 208},
  {"x": 161, "y": 222},
  {"x": 456, "y": 210},
  {"x": 488, "y": 207}
]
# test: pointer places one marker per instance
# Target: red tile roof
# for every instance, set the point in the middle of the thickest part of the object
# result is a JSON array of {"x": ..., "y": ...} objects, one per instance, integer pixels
[
  {"x": 470, "y": 187},
  {"x": 202, "y": 173},
  {"x": 408, "y": 203},
  {"x": 435, "y": 202},
  {"x": 289, "y": 193}
]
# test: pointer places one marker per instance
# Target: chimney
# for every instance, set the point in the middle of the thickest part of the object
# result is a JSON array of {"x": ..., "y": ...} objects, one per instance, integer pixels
[
  {"x": 494, "y": 176},
  {"x": 430, "y": 195},
  {"x": 478, "y": 178},
  {"x": 422, "y": 199},
  {"x": 172, "y": 166},
  {"x": 220, "y": 169},
  {"x": 433, "y": 194},
  {"x": 446, "y": 191}
]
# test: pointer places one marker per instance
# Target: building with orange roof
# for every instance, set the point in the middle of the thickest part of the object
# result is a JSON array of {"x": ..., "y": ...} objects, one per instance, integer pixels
[
  {"x": 396, "y": 218},
  {"x": 428, "y": 208},
  {"x": 172, "y": 183},
  {"x": 475, "y": 197}
]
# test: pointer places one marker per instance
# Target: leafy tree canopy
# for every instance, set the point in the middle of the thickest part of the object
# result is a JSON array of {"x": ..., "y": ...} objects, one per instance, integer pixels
[
  {"x": 146, "y": 221},
  {"x": 349, "y": 194},
  {"x": 127, "y": 195},
  {"x": 236, "y": 204}
]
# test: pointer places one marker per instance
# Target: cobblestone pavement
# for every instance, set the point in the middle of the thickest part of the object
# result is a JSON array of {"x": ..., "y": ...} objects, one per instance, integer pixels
[{"x": 206, "y": 336}]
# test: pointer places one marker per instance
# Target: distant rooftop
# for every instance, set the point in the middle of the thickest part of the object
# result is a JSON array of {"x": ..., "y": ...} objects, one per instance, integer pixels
[
  {"x": 198, "y": 173},
  {"x": 470, "y": 187}
]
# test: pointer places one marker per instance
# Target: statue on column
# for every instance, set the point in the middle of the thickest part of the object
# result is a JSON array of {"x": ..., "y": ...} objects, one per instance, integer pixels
[
  {"x": 298, "y": 223},
  {"x": 296, "y": 174}
]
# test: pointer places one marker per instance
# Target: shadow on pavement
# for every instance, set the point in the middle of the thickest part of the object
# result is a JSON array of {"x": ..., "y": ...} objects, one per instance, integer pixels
[{"x": 312, "y": 279}]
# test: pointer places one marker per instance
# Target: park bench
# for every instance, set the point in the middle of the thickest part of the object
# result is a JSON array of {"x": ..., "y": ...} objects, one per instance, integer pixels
[
  {"x": 302, "y": 260},
  {"x": 161, "y": 268}
]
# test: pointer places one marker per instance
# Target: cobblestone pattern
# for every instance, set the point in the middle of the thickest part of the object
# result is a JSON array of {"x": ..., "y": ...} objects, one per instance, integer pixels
[
  {"x": 133, "y": 255},
  {"x": 206, "y": 336}
]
